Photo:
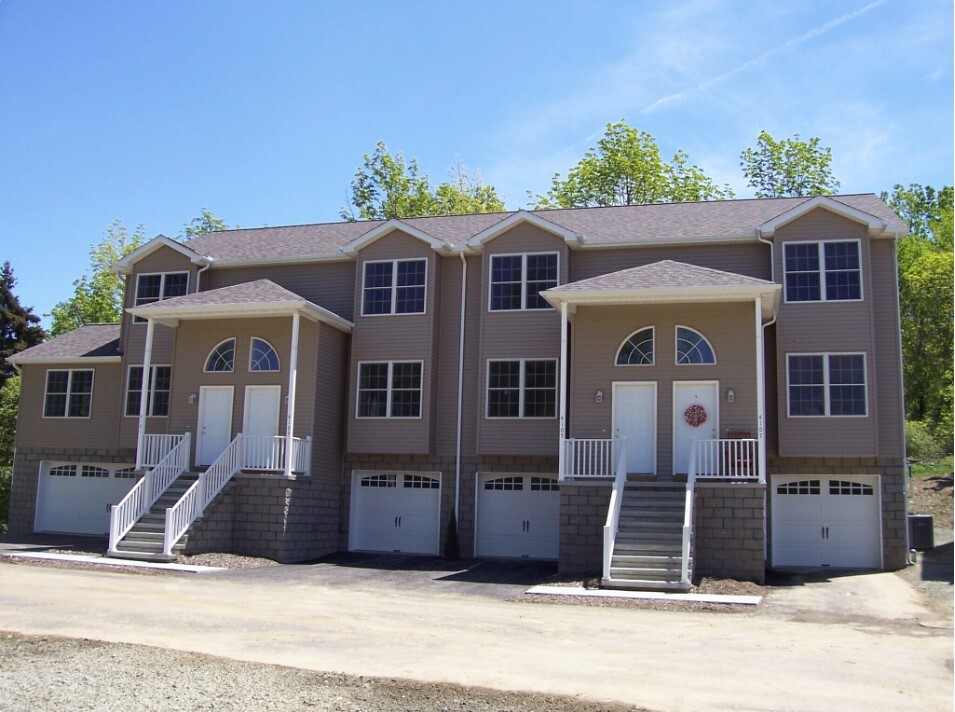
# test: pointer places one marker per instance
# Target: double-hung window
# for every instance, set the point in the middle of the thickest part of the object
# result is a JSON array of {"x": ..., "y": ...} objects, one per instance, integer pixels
[
  {"x": 822, "y": 271},
  {"x": 518, "y": 280},
  {"x": 826, "y": 385},
  {"x": 389, "y": 389},
  {"x": 69, "y": 394},
  {"x": 157, "y": 400},
  {"x": 394, "y": 287},
  {"x": 522, "y": 389},
  {"x": 156, "y": 287}
]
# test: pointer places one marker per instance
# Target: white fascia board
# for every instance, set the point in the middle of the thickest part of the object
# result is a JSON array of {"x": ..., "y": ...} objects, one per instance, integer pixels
[
  {"x": 28, "y": 360},
  {"x": 669, "y": 295},
  {"x": 125, "y": 265},
  {"x": 376, "y": 233},
  {"x": 522, "y": 216},
  {"x": 874, "y": 224},
  {"x": 171, "y": 316}
]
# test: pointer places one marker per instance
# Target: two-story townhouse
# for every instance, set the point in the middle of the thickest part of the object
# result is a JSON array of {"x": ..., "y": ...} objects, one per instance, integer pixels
[{"x": 642, "y": 389}]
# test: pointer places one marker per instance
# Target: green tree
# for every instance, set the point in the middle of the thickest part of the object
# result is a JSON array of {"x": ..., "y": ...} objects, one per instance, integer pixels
[
  {"x": 791, "y": 167},
  {"x": 625, "y": 168},
  {"x": 387, "y": 187},
  {"x": 9, "y": 401},
  {"x": 98, "y": 294},
  {"x": 19, "y": 326},
  {"x": 206, "y": 222}
]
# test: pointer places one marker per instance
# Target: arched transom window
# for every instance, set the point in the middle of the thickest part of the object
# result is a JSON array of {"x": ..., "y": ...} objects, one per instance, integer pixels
[
  {"x": 222, "y": 358},
  {"x": 637, "y": 349},
  {"x": 692, "y": 347},
  {"x": 262, "y": 357}
]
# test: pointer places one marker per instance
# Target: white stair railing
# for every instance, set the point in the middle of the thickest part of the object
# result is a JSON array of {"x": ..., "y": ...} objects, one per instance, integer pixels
[
  {"x": 144, "y": 494},
  {"x": 613, "y": 511},
  {"x": 727, "y": 459},
  {"x": 688, "y": 517},
  {"x": 193, "y": 503},
  {"x": 156, "y": 446}
]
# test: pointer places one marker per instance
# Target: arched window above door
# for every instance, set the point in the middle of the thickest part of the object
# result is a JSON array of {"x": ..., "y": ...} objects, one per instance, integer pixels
[
  {"x": 692, "y": 348},
  {"x": 262, "y": 357},
  {"x": 222, "y": 358},
  {"x": 637, "y": 349}
]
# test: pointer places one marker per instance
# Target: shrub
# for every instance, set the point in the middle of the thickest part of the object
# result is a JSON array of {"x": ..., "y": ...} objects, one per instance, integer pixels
[
  {"x": 6, "y": 476},
  {"x": 922, "y": 442}
]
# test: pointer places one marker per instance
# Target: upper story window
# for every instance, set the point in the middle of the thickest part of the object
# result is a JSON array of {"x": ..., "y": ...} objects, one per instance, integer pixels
[
  {"x": 692, "y": 347},
  {"x": 522, "y": 389},
  {"x": 262, "y": 357},
  {"x": 157, "y": 400},
  {"x": 389, "y": 389},
  {"x": 69, "y": 394},
  {"x": 637, "y": 350},
  {"x": 394, "y": 287},
  {"x": 826, "y": 384},
  {"x": 822, "y": 271},
  {"x": 156, "y": 287},
  {"x": 222, "y": 358},
  {"x": 518, "y": 280}
]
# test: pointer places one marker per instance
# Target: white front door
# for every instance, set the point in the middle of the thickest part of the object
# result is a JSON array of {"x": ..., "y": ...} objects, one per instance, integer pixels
[
  {"x": 695, "y": 417},
  {"x": 214, "y": 431},
  {"x": 260, "y": 425},
  {"x": 635, "y": 419}
]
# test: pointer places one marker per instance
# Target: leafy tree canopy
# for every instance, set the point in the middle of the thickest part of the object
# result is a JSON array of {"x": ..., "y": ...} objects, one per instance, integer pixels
[
  {"x": 9, "y": 401},
  {"x": 19, "y": 326},
  {"x": 206, "y": 222},
  {"x": 387, "y": 187},
  {"x": 625, "y": 168},
  {"x": 791, "y": 167}
]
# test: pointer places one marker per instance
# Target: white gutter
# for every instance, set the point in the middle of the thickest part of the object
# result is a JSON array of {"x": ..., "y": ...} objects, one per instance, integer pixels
[
  {"x": 772, "y": 256},
  {"x": 199, "y": 274},
  {"x": 457, "y": 447},
  {"x": 562, "y": 398}
]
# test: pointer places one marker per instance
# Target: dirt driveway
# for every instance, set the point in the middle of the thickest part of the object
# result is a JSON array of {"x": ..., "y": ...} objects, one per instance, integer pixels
[{"x": 856, "y": 650}]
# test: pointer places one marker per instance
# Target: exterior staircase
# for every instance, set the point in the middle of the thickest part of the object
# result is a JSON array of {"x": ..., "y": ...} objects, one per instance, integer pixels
[
  {"x": 144, "y": 541},
  {"x": 648, "y": 548}
]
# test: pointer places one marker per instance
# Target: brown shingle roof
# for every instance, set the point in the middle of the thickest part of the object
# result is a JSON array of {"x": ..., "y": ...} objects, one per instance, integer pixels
[
  {"x": 88, "y": 341},
  {"x": 664, "y": 222},
  {"x": 261, "y": 291},
  {"x": 665, "y": 274}
]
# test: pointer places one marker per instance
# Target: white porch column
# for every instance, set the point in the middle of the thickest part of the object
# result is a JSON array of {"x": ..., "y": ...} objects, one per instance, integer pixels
[
  {"x": 144, "y": 394},
  {"x": 562, "y": 397},
  {"x": 290, "y": 405},
  {"x": 760, "y": 392}
]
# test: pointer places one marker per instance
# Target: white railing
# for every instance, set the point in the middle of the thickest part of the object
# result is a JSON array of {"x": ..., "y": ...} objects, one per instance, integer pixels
[
  {"x": 144, "y": 494},
  {"x": 613, "y": 511},
  {"x": 727, "y": 459},
  {"x": 591, "y": 457},
  {"x": 688, "y": 517},
  {"x": 263, "y": 452},
  {"x": 157, "y": 446},
  {"x": 302, "y": 455}
]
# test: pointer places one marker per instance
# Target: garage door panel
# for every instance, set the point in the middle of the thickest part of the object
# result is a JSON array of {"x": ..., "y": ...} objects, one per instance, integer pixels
[
  {"x": 518, "y": 516},
  {"x": 75, "y": 498},
  {"x": 395, "y": 513}
]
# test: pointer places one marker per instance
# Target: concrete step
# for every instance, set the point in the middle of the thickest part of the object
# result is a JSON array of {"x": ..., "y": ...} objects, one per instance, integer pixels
[
  {"x": 637, "y": 559},
  {"x": 645, "y": 585},
  {"x": 630, "y": 573}
]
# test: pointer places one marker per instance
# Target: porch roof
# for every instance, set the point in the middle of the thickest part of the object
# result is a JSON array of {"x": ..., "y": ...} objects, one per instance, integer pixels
[
  {"x": 90, "y": 343},
  {"x": 249, "y": 300},
  {"x": 667, "y": 281}
]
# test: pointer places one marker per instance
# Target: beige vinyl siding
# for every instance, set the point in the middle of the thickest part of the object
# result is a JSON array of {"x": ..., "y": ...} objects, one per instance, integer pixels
[
  {"x": 330, "y": 403},
  {"x": 750, "y": 258},
  {"x": 197, "y": 338},
  {"x": 511, "y": 335},
  {"x": 99, "y": 431},
  {"x": 826, "y": 327},
  {"x": 395, "y": 337},
  {"x": 597, "y": 334},
  {"x": 885, "y": 300},
  {"x": 327, "y": 284}
]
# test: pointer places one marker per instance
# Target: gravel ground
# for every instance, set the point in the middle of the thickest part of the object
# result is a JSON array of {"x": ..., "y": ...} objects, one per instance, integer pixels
[{"x": 53, "y": 674}]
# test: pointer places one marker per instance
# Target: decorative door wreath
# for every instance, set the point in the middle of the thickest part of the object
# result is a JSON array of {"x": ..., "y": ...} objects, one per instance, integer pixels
[{"x": 695, "y": 415}]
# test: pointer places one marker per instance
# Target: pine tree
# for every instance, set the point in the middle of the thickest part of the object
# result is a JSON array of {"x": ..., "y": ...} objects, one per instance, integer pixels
[{"x": 19, "y": 327}]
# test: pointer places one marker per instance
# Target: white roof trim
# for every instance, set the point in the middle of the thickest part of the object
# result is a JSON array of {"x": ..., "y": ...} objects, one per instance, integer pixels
[
  {"x": 522, "y": 216},
  {"x": 172, "y": 315},
  {"x": 125, "y": 265},
  {"x": 376, "y": 233},
  {"x": 16, "y": 361},
  {"x": 874, "y": 224}
]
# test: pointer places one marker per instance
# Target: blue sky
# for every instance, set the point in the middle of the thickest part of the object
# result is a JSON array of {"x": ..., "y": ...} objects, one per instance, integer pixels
[{"x": 261, "y": 111}]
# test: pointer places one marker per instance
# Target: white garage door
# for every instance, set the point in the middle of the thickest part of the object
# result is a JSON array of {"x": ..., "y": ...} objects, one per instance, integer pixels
[
  {"x": 827, "y": 521},
  {"x": 518, "y": 516},
  {"x": 395, "y": 512},
  {"x": 74, "y": 498}
]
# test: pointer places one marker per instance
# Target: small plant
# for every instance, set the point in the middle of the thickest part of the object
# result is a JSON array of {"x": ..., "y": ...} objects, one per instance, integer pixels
[
  {"x": 6, "y": 476},
  {"x": 452, "y": 550}
]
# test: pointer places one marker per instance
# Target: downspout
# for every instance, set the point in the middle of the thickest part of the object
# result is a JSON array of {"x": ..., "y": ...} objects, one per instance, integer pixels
[
  {"x": 457, "y": 447},
  {"x": 562, "y": 397},
  {"x": 910, "y": 556},
  {"x": 772, "y": 256},
  {"x": 199, "y": 274},
  {"x": 290, "y": 404}
]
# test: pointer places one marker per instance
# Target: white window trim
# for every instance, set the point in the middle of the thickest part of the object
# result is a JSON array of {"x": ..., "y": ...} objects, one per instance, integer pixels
[
  {"x": 653, "y": 354},
  {"x": 523, "y": 256},
  {"x": 523, "y": 388},
  {"x": 388, "y": 415},
  {"x": 69, "y": 390},
  {"x": 151, "y": 400},
  {"x": 822, "y": 272},
  {"x": 162, "y": 287},
  {"x": 205, "y": 363},
  {"x": 265, "y": 341},
  {"x": 676, "y": 346},
  {"x": 826, "y": 385},
  {"x": 394, "y": 286}
]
